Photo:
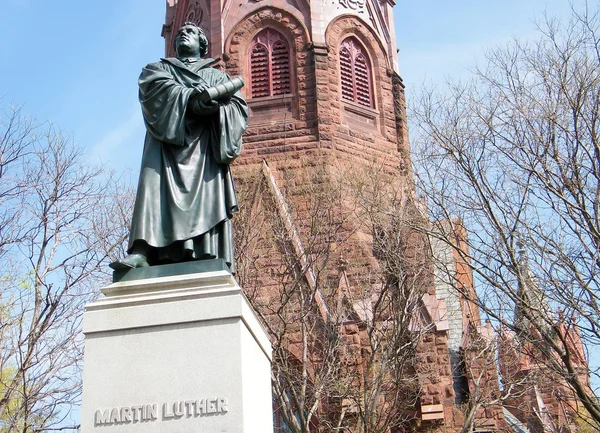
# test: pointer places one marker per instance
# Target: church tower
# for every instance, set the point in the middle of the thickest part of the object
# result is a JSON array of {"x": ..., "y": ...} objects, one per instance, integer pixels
[
  {"x": 323, "y": 72},
  {"x": 334, "y": 277}
]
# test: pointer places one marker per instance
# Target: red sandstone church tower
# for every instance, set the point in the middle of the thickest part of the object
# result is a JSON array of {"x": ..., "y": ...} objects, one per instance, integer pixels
[
  {"x": 327, "y": 249},
  {"x": 327, "y": 102},
  {"x": 325, "y": 72}
]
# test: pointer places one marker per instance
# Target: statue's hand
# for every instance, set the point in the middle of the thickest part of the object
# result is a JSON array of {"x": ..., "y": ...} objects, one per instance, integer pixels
[
  {"x": 200, "y": 87},
  {"x": 197, "y": 91},
  {"x": 205, "y": 109}
]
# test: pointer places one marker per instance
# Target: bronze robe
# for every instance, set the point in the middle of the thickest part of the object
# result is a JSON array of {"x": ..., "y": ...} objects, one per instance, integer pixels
[{"x": 185, "y": 197}]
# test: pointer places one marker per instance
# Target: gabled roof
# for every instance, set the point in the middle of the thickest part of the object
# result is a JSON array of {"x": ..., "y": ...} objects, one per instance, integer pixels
[
  {"x": 532, "y": 307},
  {"x": 513, "y": 422}
]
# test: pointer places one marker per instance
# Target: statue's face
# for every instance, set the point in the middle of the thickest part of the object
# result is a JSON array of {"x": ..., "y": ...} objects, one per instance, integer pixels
[{"x": 187, "y": 40}]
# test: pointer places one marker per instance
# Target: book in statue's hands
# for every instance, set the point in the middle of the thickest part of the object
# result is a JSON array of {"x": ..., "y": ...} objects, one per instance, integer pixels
[{"x": 222, "y": 91}]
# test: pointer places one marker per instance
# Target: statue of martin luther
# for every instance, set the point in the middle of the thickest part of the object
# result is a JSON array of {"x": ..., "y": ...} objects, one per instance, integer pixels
[{"x": 185, "y": 197}]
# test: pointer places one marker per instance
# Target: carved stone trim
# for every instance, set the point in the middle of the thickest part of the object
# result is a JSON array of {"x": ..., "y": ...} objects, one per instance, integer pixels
[
  {"x": 240, "y": 38},
  {"x": 337, "y": 32},
  {"x": 194, "y": 13},
  {"x": 345, "y": 26},
  {"x": 355, "y": 5}
]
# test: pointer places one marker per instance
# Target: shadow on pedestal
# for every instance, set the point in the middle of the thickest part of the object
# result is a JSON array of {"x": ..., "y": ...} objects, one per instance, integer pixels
[{"x": 185, "y": 268}]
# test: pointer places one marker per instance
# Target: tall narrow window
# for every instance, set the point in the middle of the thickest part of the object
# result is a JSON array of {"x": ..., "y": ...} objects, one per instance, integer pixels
[
  {"x": 269, "y": 65},
  {"x": 355, "y": 72}
]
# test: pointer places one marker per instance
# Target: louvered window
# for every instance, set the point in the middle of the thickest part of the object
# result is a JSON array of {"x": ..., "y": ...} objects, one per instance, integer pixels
[
  {"x": 355, "y": 72},
  {"x": 269, "y": 65},
  {"x": 259, "y": 65}
]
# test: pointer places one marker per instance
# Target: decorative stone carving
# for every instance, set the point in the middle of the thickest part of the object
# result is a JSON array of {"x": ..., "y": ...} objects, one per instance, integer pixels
[
  {"x": 269, "y": 37},
  {"x": 243, "y": 33},
  {"x": 355, "y": 5},
  {"x": 194, "y": 13},
  {"x": 339, "y": 29}
]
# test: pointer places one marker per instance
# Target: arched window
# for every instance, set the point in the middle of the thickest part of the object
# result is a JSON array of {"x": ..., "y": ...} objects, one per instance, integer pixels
[
  {"x": 355, "y": 71},
  {"x": 269, "y": 65}
]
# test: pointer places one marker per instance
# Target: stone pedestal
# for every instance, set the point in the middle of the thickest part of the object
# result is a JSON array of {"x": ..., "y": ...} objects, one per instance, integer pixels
[{"x": 175, "y": 354}]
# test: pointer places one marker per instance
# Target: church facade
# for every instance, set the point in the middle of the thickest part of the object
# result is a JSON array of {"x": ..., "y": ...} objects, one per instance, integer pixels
[{"x": 369, "y": 334}]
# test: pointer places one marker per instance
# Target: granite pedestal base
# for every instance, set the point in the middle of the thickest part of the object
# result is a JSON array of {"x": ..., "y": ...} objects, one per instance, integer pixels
[{"x": 175, "y": 354}]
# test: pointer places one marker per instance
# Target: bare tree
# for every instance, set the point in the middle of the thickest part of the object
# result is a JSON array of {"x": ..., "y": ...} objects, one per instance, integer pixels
[
  {"x": 480, "y": 355},
  {"x": 335, "y": 269},
  {"x": 16, "y": 142},
  {"x": 284, "y": 264},
  {"x": 54, "y": 205},
  {"x": 514, "y": 153},
  {"x": 390, "y": 299}
]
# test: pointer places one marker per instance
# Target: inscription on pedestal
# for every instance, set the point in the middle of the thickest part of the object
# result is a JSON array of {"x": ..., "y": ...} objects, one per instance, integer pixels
[{"x": 169, "y": 411}]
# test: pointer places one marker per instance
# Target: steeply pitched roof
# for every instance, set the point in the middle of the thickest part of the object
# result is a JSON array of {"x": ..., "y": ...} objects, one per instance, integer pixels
[{"x": 514, "y": 423}]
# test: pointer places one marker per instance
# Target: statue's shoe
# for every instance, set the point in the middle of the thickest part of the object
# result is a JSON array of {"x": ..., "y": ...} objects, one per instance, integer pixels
[{"x": 132, "y": 261}]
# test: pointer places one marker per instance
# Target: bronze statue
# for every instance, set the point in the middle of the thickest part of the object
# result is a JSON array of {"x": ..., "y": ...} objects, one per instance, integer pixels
[{"x": 194, "y": 125}]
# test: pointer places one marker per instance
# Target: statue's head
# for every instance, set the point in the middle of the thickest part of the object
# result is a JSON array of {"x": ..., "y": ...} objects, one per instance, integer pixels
[{"x": 190, "y": 39}]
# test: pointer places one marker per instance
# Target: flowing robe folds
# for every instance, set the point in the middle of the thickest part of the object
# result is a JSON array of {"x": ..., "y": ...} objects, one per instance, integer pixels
[{"x": 185, "y": 197}]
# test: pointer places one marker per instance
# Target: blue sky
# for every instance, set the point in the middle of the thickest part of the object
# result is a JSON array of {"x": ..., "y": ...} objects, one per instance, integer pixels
[{"x": 76, "y": 63}]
